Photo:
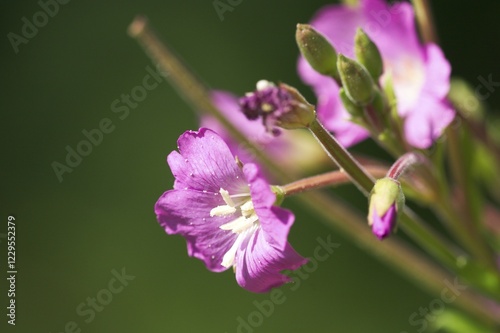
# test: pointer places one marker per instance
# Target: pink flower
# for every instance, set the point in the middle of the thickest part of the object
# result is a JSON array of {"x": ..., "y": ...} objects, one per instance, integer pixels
[
  {"x": 227, "y": 213},
  {"x": 420, "y": 73}
]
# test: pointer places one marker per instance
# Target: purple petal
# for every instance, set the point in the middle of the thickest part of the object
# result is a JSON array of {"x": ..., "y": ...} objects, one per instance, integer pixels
[
  {"x": 383, "y": 225},
  {"x": 392, "y": 28},
  {"x": 427, "y": 123},
  {"x": 275, "y": 221},
  {"x": 204, "y": 162},
  {"x": 187, "y": 213},
  {"x": 437, "y": 73},
  {"x": 259, "y": 264}
]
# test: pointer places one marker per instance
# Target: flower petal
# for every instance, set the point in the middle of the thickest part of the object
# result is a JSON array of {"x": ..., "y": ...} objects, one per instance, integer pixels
[
  {"x": 259, "y": 264},
  {"x": 427, "y": 123},
  {"x": 187, "y": 213},
  {"x": 275, "y": 221},
  {"x": 204, "y": 162}
]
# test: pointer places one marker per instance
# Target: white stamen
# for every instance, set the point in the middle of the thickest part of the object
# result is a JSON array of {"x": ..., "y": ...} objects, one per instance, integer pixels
[
  {"x": 227, "y": 198},
  {"x": 240, "y": 224},
  {"x": 247, "y": 208},
  {"x": 223, "y": 210},
  {"x": 233, "y": 223}
]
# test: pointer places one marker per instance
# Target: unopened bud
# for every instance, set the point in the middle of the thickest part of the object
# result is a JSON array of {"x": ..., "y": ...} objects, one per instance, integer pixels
[
  {"x": 386, "y": 201},
  {"x": 317, "y": 50},
  {"x": 354, "y": 110},
  {"x": 368, "y": 54},
  {"x": 356, "y": 80}
]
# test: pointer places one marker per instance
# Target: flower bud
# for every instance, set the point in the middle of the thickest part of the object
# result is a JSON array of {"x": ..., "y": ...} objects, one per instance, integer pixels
[
  {"x": 386, "y": 201},
  {"x": 356, "y": 80},
  {"x": 278, "y": 106},
  {"x": 354, "y": 110},
  {"x": 318, "y": 52},
  {"x": 368, "y": 54}
]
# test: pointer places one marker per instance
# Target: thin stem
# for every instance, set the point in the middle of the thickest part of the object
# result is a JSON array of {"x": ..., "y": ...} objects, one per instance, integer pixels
[
  {"x": 422, "y": 234},
  {"x": 187, "y": 85},
  {"x": 425, "y": 22},
  {"x": 327, "y": 179},
  {"x": 404, "y": 163},
  {"x": 342, "y": 157},
  {"x": 395, "y": 253}
]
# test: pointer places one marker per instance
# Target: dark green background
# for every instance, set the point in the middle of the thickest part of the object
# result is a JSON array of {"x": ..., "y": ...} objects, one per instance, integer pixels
[{"x": 70, "y": 235}]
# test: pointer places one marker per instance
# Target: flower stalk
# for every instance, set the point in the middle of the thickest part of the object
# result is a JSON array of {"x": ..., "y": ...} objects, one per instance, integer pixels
[{"x": 333, "y": 178}]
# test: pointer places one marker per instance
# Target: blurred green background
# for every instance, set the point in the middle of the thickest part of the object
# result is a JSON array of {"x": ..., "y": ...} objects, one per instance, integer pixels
[{"x": 72, "y": 234}]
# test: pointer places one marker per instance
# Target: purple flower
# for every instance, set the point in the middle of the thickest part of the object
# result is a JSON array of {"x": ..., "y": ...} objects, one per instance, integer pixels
[
  {"x": 296, "y": 151},
  {"x": 382, "y": 226},
  {"x": 420, "y": 73},
  {"x": 227, "y": 213}
]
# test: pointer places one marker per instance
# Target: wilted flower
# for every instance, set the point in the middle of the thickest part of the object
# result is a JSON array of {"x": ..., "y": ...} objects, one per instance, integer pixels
[
  {"x": 295, "y": 151},
  {"x": 226, "y": 212}
]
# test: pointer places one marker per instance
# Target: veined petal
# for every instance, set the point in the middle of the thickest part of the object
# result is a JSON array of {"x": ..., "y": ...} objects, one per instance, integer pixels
[
  {"x": 204, "y": 162},
  {"x": 259, "y": 264},
  {"x": 187, "y": 213}
]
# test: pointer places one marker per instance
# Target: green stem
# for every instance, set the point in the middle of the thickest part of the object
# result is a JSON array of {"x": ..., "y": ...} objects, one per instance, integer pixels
[
  {"x": 426, "y": 26},
  {"x": 459, "y": 147},
  {"x": 395, "y": 254},
  {"x": 422, "y": 234},
  {"x": 187, "y": 85},
  {"x": 342, "y": 157}
]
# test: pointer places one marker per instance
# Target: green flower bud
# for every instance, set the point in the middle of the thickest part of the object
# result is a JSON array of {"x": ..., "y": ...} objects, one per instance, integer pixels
[
  {"x": 354, "y": 110},
  {"x": 357, "y": 82},
  {"x": 368, "y": 54},
  {"x": 318, "y": 52}
]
